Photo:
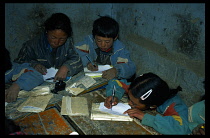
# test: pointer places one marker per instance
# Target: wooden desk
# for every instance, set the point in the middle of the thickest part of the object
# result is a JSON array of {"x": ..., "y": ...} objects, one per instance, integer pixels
[
  {"x": 85, "y": 126},
  {"x": 48, "y": 122}
]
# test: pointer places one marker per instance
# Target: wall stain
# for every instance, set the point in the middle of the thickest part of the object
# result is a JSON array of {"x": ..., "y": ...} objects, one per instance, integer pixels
[
  {"x": 188, "y": 40},
  {"x": 38, "y": 15}
]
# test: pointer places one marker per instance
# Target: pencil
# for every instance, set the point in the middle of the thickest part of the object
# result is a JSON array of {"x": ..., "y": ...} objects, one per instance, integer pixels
[
  {"x": 90, "y": 61},
  {"x": 113, "y": 95}
]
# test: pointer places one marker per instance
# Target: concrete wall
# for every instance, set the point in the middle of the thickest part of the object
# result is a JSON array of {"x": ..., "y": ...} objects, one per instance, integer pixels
[
  {"x": 24, "y": 20},
  {"x": 167, "y": 39}
]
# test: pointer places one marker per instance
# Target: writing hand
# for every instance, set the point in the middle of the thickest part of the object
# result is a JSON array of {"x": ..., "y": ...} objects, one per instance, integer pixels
[
  {"x": 108, "y": 100},
  {"x": 92, "y": 67}
]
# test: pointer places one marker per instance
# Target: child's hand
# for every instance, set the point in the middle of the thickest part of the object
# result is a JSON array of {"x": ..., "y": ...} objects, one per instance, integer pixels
[
  {"x": 91, "y": 67},
  {"x": 12, "y": 93},
  {"x": 199, "y": 130},
  {"x": 135, "y": 113},
  {"x": 109, "y": 74},
  {"x": 41, "y": 69},
  {"x": 61, "y": 73},
  {"x": 108, "y": 100}
]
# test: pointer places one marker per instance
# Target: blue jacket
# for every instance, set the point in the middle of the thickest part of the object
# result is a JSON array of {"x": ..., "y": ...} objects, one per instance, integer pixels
[
  {"x": 38, "y": 51},
  {"x": 25, "y": 76},
  {"x": 120, "y": 59},
  {"x": 196, "y": 114},
  {"x": 173, "y": 117}
]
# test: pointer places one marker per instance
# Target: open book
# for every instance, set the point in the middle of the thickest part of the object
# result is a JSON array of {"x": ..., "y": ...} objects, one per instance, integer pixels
[
  {"x": 80, "y": 85},
  {"x": 100, "y": 112}
]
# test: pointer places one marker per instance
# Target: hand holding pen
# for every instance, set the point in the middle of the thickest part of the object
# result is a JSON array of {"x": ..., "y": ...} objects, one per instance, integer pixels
[
  {"x": 113, "y": 96},
  {"x": 91, "y": 65},
  {"x": 111, "y": 100}
]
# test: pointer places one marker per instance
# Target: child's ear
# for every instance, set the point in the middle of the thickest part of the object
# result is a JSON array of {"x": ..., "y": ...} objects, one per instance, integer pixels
[{"x": 153, "y": 107}]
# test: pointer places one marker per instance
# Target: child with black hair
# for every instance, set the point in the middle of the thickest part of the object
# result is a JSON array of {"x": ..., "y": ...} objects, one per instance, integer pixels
[
  {"x": 104, "y": 48},
  {"x": 52, "y": 48},
  {"x": 149, "y": 91}
]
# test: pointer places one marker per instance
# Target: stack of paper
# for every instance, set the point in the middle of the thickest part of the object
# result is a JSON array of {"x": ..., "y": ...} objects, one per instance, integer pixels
[
  {"x": 74, "y": 106},
  {"x": 100, "y": 112},
  {"x": 35, "y": 103},
  {"x": 38, "y": 90}
]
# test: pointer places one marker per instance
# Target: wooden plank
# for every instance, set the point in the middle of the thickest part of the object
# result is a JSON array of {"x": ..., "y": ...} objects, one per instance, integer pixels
[{"x": 48, "y": 122}]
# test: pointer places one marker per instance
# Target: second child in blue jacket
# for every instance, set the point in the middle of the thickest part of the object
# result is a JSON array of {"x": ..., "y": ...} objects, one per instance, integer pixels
[
  {"x": 149, "y": 91},
  {"x": 21, "y": 76},
  {"x": 103, "y": 47}
]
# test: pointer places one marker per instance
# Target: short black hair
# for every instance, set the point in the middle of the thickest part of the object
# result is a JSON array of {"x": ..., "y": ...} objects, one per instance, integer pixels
[
  {"x": 59, "y": 21},
  {"x": 159, "y": 89},
  {"x": 105, "y": 26}
]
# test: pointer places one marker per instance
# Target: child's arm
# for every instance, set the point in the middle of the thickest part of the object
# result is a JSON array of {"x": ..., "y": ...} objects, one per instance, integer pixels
[
  {"x": 30, "y": 80},
  {"x": 120, "y": 88},
  {"x": 120, "y": 85},
  {"x": 166, "y": 124},
  {"x": 173, "y": 118},
  {"x": 83, "y": 48}
]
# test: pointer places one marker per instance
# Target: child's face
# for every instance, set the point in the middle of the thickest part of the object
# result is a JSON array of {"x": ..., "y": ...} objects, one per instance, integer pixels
[
  {"x": 104, "y": 43},
  {"x": 134, "y": 102},
  {"x": 56, "y": 38}
]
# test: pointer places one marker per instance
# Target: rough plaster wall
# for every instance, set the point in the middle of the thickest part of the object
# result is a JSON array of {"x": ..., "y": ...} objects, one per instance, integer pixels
[
  {"x": 25, "y": 20},
  {"x": 155, "y": 34},
  {"x": 169, "y": 40},
  {"x": 167, "y": 24},
  {"x": 22, "y": 22}
]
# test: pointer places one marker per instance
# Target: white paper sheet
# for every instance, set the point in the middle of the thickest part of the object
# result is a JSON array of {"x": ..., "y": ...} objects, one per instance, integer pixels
[
  {"x": 118, "y": 109},
  {"x": 100, "y": 69},
  {"x": 50, "y": 73}
]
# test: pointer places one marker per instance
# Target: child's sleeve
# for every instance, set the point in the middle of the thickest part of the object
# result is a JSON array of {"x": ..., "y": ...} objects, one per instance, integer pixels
[
  {"x": 120, "y": 85},
  {"x": 166, "y": 124},
  {"x": 30, "y": 80},
  {"x": 173, "y": 121},
  {"x": 83, "y": 48}
]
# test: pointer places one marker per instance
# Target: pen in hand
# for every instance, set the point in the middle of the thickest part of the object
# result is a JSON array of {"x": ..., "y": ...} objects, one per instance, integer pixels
[
  {"x": 113, "y": 95},
  {"x": 90, "y": 61}
]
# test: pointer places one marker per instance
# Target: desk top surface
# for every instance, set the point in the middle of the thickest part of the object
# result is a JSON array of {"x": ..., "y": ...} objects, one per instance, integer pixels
[{"x": 84, "y": 125}]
